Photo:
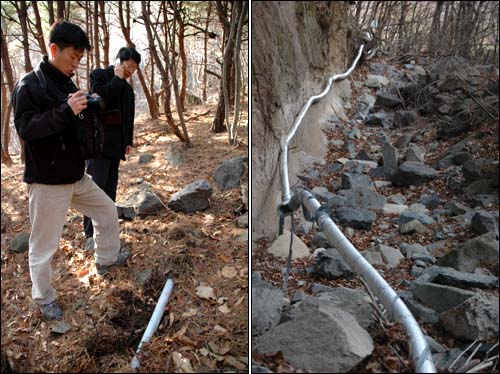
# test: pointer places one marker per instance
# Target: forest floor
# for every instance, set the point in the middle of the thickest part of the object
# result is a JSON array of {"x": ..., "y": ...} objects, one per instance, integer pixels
[
  {"x": 108, "y": 315},
  {"x": 390, "y": 352}
]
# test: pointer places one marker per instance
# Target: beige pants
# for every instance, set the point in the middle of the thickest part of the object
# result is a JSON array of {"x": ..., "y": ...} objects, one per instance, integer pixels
[{"x": 48, "y": 207}]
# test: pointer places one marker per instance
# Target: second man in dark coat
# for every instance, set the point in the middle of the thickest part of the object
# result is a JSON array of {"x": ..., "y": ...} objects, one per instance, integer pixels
[{"x": 111, "y": 85}]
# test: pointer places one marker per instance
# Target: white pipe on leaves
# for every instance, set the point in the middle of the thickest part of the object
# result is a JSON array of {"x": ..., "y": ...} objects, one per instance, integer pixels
[{"x": 154, "y": 321}]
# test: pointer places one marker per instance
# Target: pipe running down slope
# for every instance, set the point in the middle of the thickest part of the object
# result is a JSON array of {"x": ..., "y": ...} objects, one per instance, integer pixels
[{"x": 419, "y": 348}]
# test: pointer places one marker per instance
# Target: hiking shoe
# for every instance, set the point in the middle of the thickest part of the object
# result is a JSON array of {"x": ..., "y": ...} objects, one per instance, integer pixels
[
  {"x": 123, "y": 256},
  {"x": 51, "y": 310},
  {"x": 89, "y": 245}
]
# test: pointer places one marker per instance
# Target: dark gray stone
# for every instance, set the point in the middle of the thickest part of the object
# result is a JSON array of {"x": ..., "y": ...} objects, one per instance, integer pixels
[
  {"x": 175, "y": 154},
  {"x": 444, "y": 360},
  {"x": 331, "y": 265},
  {"x": 479, "y": 187},
  {"x": 461, "y": 158},
  {"x": 387, "y": 99},
  {"x": 413, "y": 173},
  {"x": 322, "y": 194},
  {"x": 350, "y": 147},
  {"x": 430, "y": 201},
  {"x": 451, "y": 277},
  {"x": 390, "y": 156},
  {"x": 362, "y": 198},
  {"x": 438, "y": 297},
  {"x": 405, "y": 118},
  {"x": 145, "y": 158},
  {"x": 356, "y": 218},
  {"x": 478, "y": 252},
  {"x": 192, "y": 198},
  {"x": 415, "y": 153},
  {"x": 337, "y": 201},
  {"x": 483, "y": 222},
  {"x": 229, "y": 174},
  {"x": 319, "y": 241},
  {"x": 455, "y": 208},
  {"x": 403, "y": 141},
  {"x": 484, "y": 200},
  {"x": 408, "y": 216},
  {"x": 476, "y": 319},
  {"x": 383, "y": 119},
  {"x": 356, "y": 181},
  {"x": 267, "y": 304},
  {"x": 20, "y": 243}
]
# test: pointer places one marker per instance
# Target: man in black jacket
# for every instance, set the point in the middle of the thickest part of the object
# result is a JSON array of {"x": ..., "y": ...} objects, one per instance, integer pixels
[
  {"x": 46, "y": 103},
  {"x": 111, "y": 85}
]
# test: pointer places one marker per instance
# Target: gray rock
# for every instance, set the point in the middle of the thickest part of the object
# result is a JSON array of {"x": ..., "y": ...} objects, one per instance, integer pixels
[
  {"x": 430, "y": 201},
  {"x": 260, "y": 369},
  {"x": 390, "y": 156},
  {"x": 353, "y": 166},
  {"x": 356, "y": 181},
  {"x": 413, "y": 173},
  {"x": 363, "y": 198},
  {"x": 310, "y": 175},
  {"x": 381, "y": 118},
  {"x": 267, "y": 304},
  {"x": 143, "y": 277},
  {"x": 331, "y": 265},
  {"x": 350, "y": 147},
  {"x": 141, "y": 202},
  {"x": 60, "y": 327},
  {"x": 145, "y": 158},
  {"x": 322, "y": 194},
  {"x": 319, "y": 241},
  {"x": 175, "y": 154},
  {"x": 332, "y": 168},
  {"x": 337, "y": 201},
  {"x": 377, "y": 67},
  {"x": 478, "y": 252},
  {"x": 483, "y": 222},
  {"x": 420, "y": 311},
  {"x": 20, "y": 243},
  {"x": 397, "y": 199},
  {"x": 281, "y": 246},
  {"x": 256, "y": 277},
  {"x": 444, "y": 360},
  {"x": 363, "y": 156},
  {"x": 413, "y": 227},
  {"x": 405, "y": 118},
  {"x": 484, "y": 200},
  {"x": 394, "y": 208},
  {"x": 415, "y": 153},
  {"x": 317, "y": 288},
  {"x": 472, "y": 170},
  {"x": 403, "y": 141},
  {"x": 409, "y": 215},
  {"x": 455, "y": 208},
  {"x": 321, "y": 354},
  {"x": 375, "y": 81},
  {"x": 242, "y": 222},
  {"x": 479, "y": 187},
  {"x": 387, "y": 99},
  {"x": 337, "y": 143},
  {"x": 476, "y": 318},
  {"x": 409, "y": 250},
  {"x": 460, "y": 279},
  {"x": 461, "y": 158},
  {"x": 192, "y": 198},
  {"x": 356, "y": 218},
  {"x": 438, "y": 297},
  {"x": 229, "y": 174},
  {"x": 445, "y": 162},
  {"x": 374, "y": 258},
  {"x": 392, "y": 257},
  {"x": 434, "y": 345}
]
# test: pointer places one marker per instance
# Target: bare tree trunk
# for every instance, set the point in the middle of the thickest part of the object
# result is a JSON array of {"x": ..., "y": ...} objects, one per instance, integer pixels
[
  {"x": 182, "y": 54},
  {"x": 67, "y": 11},
  {"x": 105, "y": 35},
  {"x": 434, "y": 34},
  {"x": 96, "y": 36},
  {"x": 5, "y": 125},
  {"x": 88, "y": 55},
  {"x": 60, "y": 10},
  {"x": 161, "y": 68},
  {"x": 178, "y": 102},
  {"x": 233, "y": 134},
  {"x": 39, "y": 31},
  {"x": 153, "y": 108},
  {"x": 7, "y": 70},
  {"x": 22, "y": 13},
  {"x": 205, "y": 57},
  {"x": 50, "y": 9}
]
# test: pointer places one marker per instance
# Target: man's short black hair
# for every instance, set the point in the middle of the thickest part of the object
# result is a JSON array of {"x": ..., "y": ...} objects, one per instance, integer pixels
[
  {"x": 66, "y": 34},
  {"x": 128, "y": 53}
]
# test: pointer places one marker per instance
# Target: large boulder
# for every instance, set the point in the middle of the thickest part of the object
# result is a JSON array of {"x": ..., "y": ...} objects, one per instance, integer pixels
[
  {"x": 267, "y": 304},
  {"x": 475, "y": 319},
  {"x": 192, "y": 198},
  {"x": 483, "y": 222},
  {"x": 325, "y": 340},
  {"x": 439, "y": 297},
  {"x": 478, "y": 252},
  {"x": 413, "y": 173},
  {"x": 228, "y": 175},
  {"x": 141, "y": 202},
  {"x": 453, "y": 278}
]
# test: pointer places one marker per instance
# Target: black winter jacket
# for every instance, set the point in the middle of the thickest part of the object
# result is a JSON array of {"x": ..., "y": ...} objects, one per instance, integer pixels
[
  {"x": 46, "y": 123},
  {"x": 117, "y": 94}
]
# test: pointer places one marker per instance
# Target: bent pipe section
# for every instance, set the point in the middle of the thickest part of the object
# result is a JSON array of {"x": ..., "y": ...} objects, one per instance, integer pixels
[
  {"x": 154, "y": 322},
  {"x": 285, "y": 141},
  {"x": 419, "y": 348}
]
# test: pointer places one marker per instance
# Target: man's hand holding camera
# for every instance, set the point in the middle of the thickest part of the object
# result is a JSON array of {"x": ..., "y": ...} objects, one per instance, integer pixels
[{"x": 77, "y": 101}]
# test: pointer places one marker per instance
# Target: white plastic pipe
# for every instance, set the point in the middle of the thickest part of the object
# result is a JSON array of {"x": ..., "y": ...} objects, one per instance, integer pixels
[
  {"x": 419, "y": 348},
  {"x": 154, "y": 321}
]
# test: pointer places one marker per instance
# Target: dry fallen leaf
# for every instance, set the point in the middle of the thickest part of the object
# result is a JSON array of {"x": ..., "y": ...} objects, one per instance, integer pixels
[
  {"x": 190, "y": 313},
  {"x": 205, "y": 293},
  {"x": 229, "y": 272},
  {"x": 224, "y": 309},
  {"x": 182, "y": 363}
]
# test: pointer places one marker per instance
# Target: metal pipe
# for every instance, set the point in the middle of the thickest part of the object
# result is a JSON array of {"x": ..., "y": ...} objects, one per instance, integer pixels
[
  {"x": 154, "y": 321},
  {"x": 419, "y": 348},
  {"x": 285, "y": 141}
]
